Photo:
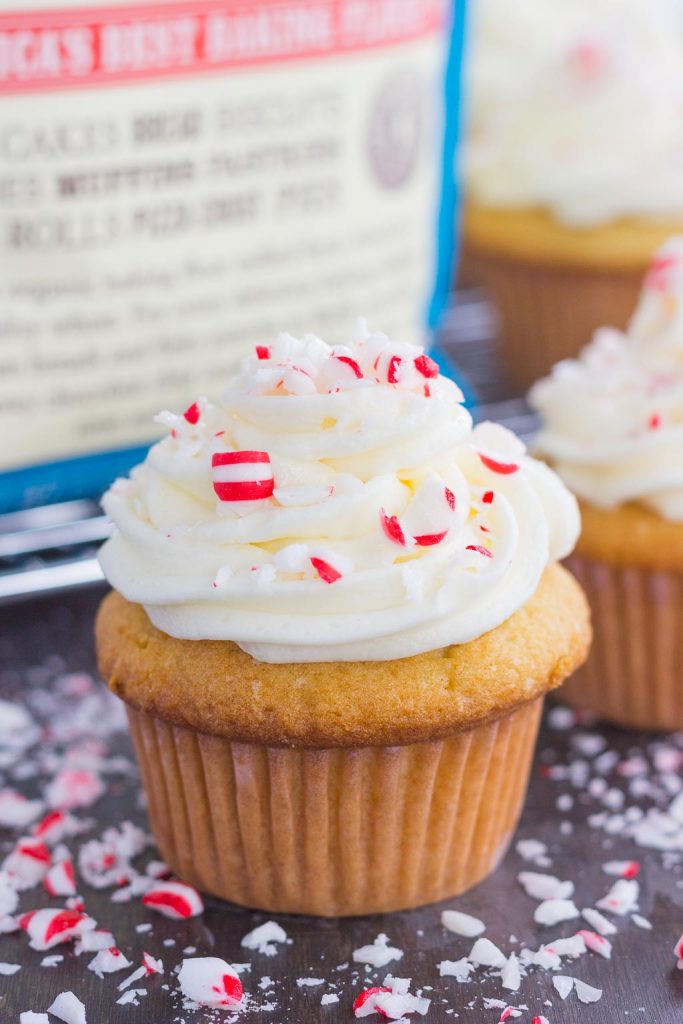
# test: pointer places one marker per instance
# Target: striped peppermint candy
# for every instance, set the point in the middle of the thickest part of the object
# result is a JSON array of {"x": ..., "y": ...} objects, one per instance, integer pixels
[
  {"x": 47, "y": 928},
  {"x": 174, "y": 899},
  {"x": 242, "y": 476},
  {"x": 28, "y": 863},
  {"x": 60, "y": 879},
  {"x": 210, "y": 981},
  {"x": 108, "y": 961}
]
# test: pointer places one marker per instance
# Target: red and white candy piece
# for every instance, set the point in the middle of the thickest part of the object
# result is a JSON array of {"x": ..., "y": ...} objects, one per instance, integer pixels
[
  {"x": 480, "y": 550},
  {"x": 16, "y": 811},
  {"x": 622, "y": 868},
  {"x": 498, "y": 449},
  {"x": 192, "y": 414},
  {"x": 391, "y": 528},
  {"x": 365, "y": 1002},
  {"x": 74, "y": 787},
  {"x": 28, "y": 863},
  {"x": 68, "y": 1008},
  {"x": 174, "y": 899},
  {"x": 108, "y": 961},
  {"x": 393, "y": 1002},
  {"x": 55, "y": 826},
  {"x": 49, "y": 927},
  {"x": 497, "y": 465},
  {"x": 293, "y": 380},
  {"x": 659, "y": 272},
  {"x": 60, "y": 879},
  {"x": 622, "y": 898},
  {"x": 326, "y": 571},
  {"x": 263, "y": 352},
  {"x": 352, "y": 365},
  {"x": 242, "y": 476},
  {"x": 426, "y": 367},
  {"x": 264, "y": 937},
  {"x": 94, "y": 941},
  {"x": 596, "y": 943},
  {"x": 210, "y": 981},
  {"x": 341, "y": 370},
  {"x": 158, "y": 869},
  {"x": 430, "y": 513},
  {"x": 151, "y": 964},
  {"x": 508, "y": 1013},
  {"x": 389, "y": 367}
]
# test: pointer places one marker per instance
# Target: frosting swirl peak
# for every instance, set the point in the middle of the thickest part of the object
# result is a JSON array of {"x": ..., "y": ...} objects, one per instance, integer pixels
[
  {"x": 613, "y": 418},
  {"x": 575, "y": 108},
  {"x": 335, "y": 504}
]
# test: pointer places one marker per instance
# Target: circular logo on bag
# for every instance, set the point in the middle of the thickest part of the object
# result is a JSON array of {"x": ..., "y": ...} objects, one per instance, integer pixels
[{"x": 395, "y": 127}]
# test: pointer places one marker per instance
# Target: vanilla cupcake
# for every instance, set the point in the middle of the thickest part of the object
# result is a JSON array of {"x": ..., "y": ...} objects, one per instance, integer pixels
[
  {"x": 337, "y": 611},
  {"x": 613, "y": 430},
  {"x": 572, "y": 165}
]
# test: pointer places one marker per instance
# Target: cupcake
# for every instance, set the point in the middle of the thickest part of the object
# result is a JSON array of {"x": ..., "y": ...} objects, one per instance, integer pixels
[
  {"x": 613, "y": 430},
  {"x": 336, "y": 612},
  {"x": 572, "y": 165}
]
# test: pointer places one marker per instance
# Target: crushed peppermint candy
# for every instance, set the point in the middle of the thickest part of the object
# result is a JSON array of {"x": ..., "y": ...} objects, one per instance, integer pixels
[
  {"x": 485, "y": 953},
  {"x": 622, "y": 898},
  {"x": 545, "y": 887},
  {"x": 462, "y": 924},
  {"x": 630, "y": 802},
  {"x": 458, "y": 969},
  {"x": 552, "y": 911},
  {"x": 378, "y": 954},
  {"x": 16, "y": 811},
  {"x": 210, "y": 981},
  {"x": 392, "y": 999},
  {"x": 264, "y": 938},
  {"x": 176, "y": 900},
  {"x": 60, "y": 879},
  {"x": 68, "y": 1008},
  {"x": 48, "y": 928},
  {"x": 107, "y": 961}
]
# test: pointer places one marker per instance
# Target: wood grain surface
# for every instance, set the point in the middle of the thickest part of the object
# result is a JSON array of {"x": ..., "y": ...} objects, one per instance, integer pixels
[{"x": 640, "y": 983}]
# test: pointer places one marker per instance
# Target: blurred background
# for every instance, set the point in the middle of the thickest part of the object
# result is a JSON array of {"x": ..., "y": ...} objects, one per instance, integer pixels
[{"x": 179, "y": 181}]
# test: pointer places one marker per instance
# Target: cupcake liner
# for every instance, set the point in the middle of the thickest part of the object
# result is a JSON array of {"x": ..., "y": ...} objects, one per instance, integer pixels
[
  {"x": 340, "y": 831},
  {"x": 633, "y": 673},
  {"x": 548, "y": 312}
]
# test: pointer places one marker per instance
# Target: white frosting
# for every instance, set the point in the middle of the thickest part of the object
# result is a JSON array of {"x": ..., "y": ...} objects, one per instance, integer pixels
[
  {"x": 613, "y": 418},
  {"x": 576, "y": 107},
  {"x": 347, "y": 454}
]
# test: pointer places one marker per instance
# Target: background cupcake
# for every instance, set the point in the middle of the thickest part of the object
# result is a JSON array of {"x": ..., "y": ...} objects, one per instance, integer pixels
[
  {"x": 613, "y": 429},
  {"x": 337, "y": 616},
  {"x": 572, "y": 165}
]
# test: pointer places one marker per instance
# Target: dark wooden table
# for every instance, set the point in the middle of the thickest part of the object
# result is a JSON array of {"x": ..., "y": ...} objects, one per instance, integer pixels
[{"x": 640, "y": 983}]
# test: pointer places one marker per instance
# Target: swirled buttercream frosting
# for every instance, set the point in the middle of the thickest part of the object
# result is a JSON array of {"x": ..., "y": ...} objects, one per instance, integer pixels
[
  {"x": 335, "y": 504},
  {"x": 575, "y": 108},
  {"x": 613, "y": 418}
]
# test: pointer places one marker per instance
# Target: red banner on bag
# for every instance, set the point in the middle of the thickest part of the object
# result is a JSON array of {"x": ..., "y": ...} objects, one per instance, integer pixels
[{"x": 92, "y": 46}]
